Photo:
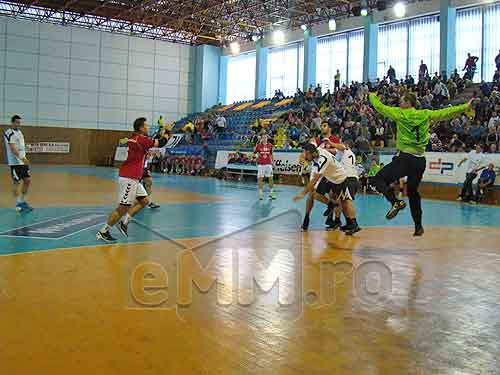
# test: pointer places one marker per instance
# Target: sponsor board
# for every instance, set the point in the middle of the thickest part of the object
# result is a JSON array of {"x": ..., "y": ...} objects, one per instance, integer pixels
[
  {"x": 48, "y": 148},
  {"x": 442, "y": 167}
]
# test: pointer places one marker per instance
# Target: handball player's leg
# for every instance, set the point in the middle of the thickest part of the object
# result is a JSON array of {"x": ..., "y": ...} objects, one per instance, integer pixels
[{"x": 390, "y": 173}]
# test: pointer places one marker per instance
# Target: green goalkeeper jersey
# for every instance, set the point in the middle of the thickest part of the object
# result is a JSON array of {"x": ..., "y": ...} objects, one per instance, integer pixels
[{"x": 413, "y": 124}]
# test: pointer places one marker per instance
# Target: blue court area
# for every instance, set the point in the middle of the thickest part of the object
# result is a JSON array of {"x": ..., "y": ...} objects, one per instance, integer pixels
[{"x": 236, "y": 207}]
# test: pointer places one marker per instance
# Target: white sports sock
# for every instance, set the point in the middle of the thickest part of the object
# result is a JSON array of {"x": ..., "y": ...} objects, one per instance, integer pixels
[
  {"x": 22, "y": 197},
  {"x": 126, "y": 219},
  {"x": 105, "y": 228}
]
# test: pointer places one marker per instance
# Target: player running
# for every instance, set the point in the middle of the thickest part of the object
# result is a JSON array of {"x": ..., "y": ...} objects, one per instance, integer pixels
[
  {"x": 264, "y": 153},
  {"x": 335, "y": 177},
  {"x": 131, "y": 171},
  {"x": 19, "y": 164},
  {"x": 412, "y": 138}
]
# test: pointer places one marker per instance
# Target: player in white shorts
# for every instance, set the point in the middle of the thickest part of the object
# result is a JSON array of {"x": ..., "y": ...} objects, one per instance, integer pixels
[
  {"x": 328, "y": 167},
  {"x": 264, "y": 153}
]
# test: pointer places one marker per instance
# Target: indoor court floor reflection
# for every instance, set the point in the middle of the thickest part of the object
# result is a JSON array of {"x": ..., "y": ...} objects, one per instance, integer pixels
[{"x": 285, "y": 302}]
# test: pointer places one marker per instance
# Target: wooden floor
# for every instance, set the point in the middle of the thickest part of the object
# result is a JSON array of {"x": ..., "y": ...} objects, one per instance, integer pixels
[{"x": 381, "y": 302}]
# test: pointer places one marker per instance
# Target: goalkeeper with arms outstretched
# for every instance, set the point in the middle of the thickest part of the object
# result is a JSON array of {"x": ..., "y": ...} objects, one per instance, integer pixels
[{"x": 412, "y": 138}]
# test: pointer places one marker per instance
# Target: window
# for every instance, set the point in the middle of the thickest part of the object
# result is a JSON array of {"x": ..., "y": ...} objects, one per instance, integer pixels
[
  {"x": 424, "y": 35},
  {"x": 342, "y": 52},
  {"x": 238, "y": 67},
  {"x": 404, "y": 44},
  {"x": 392, "y": 49},
  {"x": 355, "y": 56},
  {"x": 285, "y": 69},
  {"x": 469, "y": 38},
  {"x": 491, "y": 40}
]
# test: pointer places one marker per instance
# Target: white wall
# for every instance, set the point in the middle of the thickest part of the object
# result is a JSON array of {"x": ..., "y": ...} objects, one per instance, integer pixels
[{"x": 73, "y": 77}]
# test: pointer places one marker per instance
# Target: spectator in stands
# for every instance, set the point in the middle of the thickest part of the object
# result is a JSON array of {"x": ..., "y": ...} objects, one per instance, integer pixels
[
  {"x": 423, "y": 71},
  {"x": 161, "y": 122},
  {"x": 220, "y": 123},
  {"x": 470, "y": 67},
  {"x": 435, "y": 143},
  {"x": 496, "y": 77},
  {"x": 452, "y": 89},
  {"x": 486, "y": 179},
  {"x": 493, "y": 148},
  {"x": 475, "y": 161},
  {"x": 494, "y": 121},
  {"x": 391, "y": 74},
  {"x": 492, "y": 137},
  {"x": 337, "y": 81}
]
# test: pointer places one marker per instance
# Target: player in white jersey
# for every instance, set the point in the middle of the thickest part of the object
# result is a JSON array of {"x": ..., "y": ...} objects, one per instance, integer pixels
[
  {"x": 327, "y": 167},
  {"x": 147, "y": 179},
  {"x": 19, "y": 164},
  {"x": 348, "y": 161}
]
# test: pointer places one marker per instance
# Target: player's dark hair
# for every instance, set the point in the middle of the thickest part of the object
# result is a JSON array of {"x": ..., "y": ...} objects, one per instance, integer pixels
[
  {"x": 139, "y": 123},
  {"x": 14, "y": 118},
  {"x": 349, "y": 143},
  {"x": 309, "y": 147},
  {"x": 410, "y": 98}
]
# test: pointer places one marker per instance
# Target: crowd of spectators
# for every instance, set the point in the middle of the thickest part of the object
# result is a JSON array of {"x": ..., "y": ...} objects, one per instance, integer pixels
[{"x": 351, "y": 117}]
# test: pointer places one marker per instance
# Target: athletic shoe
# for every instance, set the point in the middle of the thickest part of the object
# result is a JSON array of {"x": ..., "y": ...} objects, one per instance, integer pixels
[
  {"x": 123, "y": 228},
  {"x": 105, "y": 236},
  {"x": 351, "y": 229},
  {"x": 332, "y": 224},
  {"x": 153, "y": 205},
  {"x": 272, "y": 195},
  {"x": 398, "y": 206},
  {"x": 305, "y": 223},
  {"x": 26, "y": 207},
  {"x": 329, "y": 210},
  {"x": 418, "y": 232},
  {"x": 19, "y": 207}
]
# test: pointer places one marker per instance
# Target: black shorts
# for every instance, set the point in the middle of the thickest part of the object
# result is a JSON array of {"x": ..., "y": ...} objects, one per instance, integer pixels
[
  {"x": 324, "y": 186},
  {"x": 346, "y": 191},
  {"x": 146, "y": 174},
  {"x": 20, "y": 172}
]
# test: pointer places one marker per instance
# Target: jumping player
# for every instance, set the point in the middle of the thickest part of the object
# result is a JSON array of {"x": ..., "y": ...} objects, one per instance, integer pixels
[
  {"x": 264, "y": 153},
  {"x": 335, "y": 176},
  {"x": 130, "y": 174},
  {"x": 412, "y": 138},
  {"x": 19, "y": 164}
]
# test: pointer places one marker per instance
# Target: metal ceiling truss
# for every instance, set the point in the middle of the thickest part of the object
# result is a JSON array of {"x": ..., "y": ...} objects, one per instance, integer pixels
[{"x": 183, "y": 21}]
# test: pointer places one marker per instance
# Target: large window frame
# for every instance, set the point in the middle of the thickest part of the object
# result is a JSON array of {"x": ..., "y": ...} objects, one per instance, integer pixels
[
  {"x": 408, "y": 62},
  {"x": 237, "y": 67},
  {"x": 346, "y": 45},
  {"x": 278, "y": 77},
  {"x": 486, "y": 30}
]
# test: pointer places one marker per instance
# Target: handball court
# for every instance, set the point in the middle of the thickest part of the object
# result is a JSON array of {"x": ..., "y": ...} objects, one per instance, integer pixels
[{"x": 379, "y": 302}]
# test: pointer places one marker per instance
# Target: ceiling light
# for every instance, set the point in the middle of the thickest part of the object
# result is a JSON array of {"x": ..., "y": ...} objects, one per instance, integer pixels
[
  {"x": 332, "y": 24},
  {"x": 279, "y": 36},
  {"x": 400, "y": 10},
  {"x": 235, "y": 48}
]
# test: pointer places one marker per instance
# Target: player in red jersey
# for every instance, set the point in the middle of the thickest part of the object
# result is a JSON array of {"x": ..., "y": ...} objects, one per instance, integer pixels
[
  {"x": 132, "y": 195},
  {"x": 264, "y": 153}
]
